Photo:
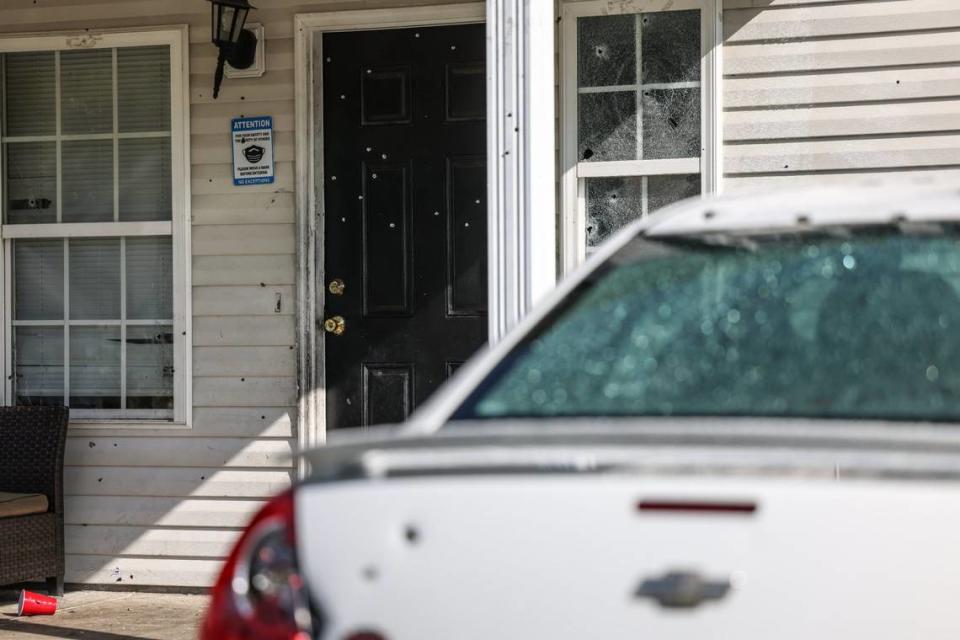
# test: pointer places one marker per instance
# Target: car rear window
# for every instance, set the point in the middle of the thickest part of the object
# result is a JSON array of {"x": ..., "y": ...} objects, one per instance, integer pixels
[{"x": 846, "y": 324}]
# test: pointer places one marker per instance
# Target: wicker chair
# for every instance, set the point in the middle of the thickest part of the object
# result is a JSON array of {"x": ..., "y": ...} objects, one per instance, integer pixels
[{"x": 31, "y": 461}]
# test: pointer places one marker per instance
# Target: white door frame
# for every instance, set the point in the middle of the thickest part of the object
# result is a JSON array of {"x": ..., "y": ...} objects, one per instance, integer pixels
[
  {"x": 311, "y": 415},
  {"x": 521, "y": 158}
]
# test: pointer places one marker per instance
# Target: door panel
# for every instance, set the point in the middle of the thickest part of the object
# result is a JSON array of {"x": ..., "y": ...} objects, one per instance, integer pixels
[
  {"x": 387, "y": 392},
  {"x": 467, "y": 236},
  {"x": 405, "y": 215},
  {"x": 386, "y": 241}
]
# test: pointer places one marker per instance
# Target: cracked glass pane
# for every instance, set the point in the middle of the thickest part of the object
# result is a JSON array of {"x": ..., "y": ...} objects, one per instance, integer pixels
[
  {"x": 843, "y": 326},
  {"x": 670, "y": 46},
  {"x": 664, "y": 190},
  {"x": 611, "y": 203},
  {"x": 608, "y": 126},
  {"x": 606, "y": 50},
  {"x": 671, "y": 123}
]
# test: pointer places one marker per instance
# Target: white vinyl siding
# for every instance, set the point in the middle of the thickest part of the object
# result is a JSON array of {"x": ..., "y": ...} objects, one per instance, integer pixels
[{"x": 825, "y": 93}]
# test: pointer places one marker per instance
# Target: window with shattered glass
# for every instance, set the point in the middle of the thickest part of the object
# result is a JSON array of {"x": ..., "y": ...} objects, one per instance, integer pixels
[
  {"x": 88, "y": 139},
  {"x": 842, "y": 323},
  {"x": 639, "y": 137}
]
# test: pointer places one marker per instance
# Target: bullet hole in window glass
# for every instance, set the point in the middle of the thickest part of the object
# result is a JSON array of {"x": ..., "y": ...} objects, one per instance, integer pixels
[
  {"x": 607, "y": 50},
  {"x": 614, "y": 202}
]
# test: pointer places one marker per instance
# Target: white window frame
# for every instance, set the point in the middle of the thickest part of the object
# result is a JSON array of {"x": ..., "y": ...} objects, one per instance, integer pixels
[
  {"x": 574, "y": 173},
  {"x": 177, "y": 38}
]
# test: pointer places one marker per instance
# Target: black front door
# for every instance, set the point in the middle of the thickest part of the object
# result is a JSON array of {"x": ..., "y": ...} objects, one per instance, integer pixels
[{"x": 405, "y": 248}]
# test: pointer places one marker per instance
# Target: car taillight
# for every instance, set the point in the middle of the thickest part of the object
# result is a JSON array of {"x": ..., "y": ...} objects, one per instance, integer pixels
[{"x": 260, "y": 593}]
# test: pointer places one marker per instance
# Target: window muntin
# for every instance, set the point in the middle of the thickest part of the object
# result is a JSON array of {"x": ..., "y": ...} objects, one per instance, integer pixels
[
  {"x": 94, "y": 226},
  {"x": 635, "y": 95},
  {"x": 847, "y": 324}
]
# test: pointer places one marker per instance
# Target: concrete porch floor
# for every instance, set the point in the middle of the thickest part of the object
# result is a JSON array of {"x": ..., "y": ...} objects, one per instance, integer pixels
[{"x": 107, "y": 615}]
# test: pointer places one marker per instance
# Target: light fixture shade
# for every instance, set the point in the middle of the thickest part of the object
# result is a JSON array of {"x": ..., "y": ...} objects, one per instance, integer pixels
[
  {"x": 227, "y": 20},
  {"x": 244, "y": 50}
]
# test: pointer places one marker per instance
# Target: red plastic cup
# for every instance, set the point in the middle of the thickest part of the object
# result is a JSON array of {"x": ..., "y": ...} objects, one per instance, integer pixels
[{"x": 35, "y": 604}]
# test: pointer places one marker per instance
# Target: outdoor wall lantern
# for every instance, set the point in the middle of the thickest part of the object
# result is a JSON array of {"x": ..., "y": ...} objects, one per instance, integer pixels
[{"x": 237, "y": 46}]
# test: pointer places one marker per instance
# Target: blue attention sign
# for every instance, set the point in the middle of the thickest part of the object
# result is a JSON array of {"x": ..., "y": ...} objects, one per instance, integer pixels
[{"x": 252, "y": 150}]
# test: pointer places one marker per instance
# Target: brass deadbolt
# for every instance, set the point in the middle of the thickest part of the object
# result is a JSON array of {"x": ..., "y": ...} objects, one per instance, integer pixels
[
  {"x": 335, "y": 325},
  {"x": 336, "y": 287}
]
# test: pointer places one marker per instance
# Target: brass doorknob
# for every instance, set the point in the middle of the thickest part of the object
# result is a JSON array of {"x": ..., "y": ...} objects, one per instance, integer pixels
[
  {"x": 336, "y": 287},
  {"x": 335, "y": 325}
]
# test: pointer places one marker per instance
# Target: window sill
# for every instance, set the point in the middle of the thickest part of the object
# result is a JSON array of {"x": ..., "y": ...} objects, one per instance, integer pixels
[{"x": 132, "y": 425}]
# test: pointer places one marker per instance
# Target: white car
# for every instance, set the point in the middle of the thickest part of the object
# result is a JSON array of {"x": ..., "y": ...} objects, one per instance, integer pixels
[{"x": 738, "y": 420}]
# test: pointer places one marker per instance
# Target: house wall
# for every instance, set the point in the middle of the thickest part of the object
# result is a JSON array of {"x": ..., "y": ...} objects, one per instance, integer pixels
[
  {"x": 163, "y": 507},
  {"x": 817, "y": 91}
]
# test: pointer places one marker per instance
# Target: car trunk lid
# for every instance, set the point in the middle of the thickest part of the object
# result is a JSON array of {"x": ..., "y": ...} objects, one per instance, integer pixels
[{"x": 661, "y": 536}]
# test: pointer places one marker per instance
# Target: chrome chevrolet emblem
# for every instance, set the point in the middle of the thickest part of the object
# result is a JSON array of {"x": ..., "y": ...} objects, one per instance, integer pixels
[{"x": 682, "y": 590}]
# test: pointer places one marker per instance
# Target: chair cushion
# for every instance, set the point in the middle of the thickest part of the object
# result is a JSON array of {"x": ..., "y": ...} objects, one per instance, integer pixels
[{"x": 22, "y": 504}]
